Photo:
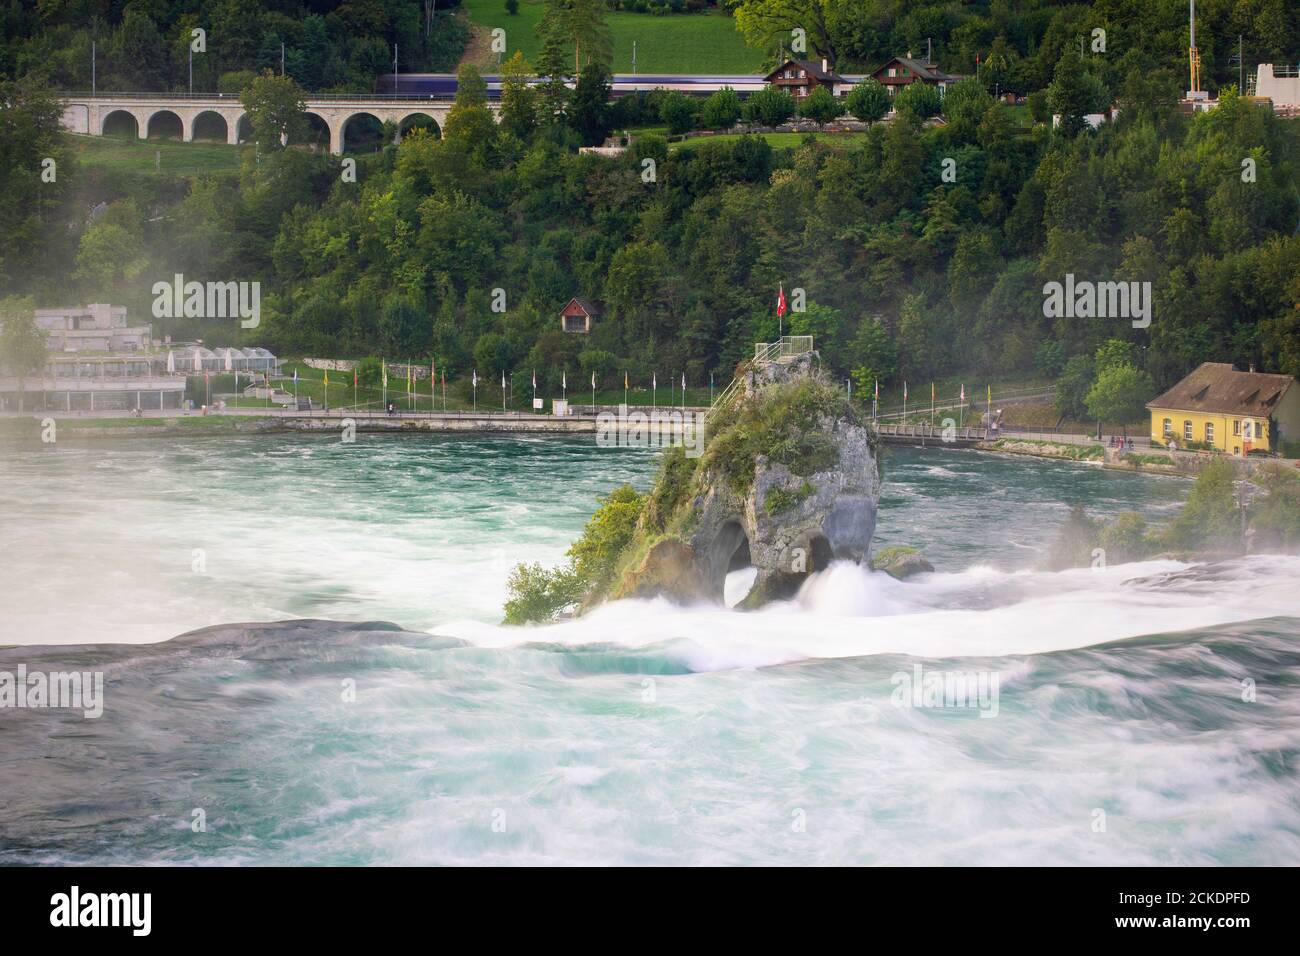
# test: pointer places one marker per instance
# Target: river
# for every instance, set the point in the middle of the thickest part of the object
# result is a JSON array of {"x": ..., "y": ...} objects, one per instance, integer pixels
[{"x": 1137, "y": 714}]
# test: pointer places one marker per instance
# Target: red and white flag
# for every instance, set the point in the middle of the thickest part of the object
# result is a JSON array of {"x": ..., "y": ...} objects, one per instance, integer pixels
[{"x": 780, "y": 301}]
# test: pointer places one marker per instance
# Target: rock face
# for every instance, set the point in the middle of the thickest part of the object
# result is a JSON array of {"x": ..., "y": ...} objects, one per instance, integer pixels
[
  {"x": 901, "y": 563},
  {"x": 811, "y": 498}
]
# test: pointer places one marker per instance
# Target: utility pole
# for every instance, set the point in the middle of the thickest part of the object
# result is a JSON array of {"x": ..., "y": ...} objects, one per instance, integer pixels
[
  {"x": 191, "y": 70},
  {"x": 92, "y": 67},
  {"x": 282, "y": 59},
  {"x": 634, "y": 58},
  {"x": 394, "y": 67}
]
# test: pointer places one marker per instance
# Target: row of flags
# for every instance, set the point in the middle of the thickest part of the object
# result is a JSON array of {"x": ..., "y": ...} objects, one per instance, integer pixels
[
  {"x": 961, "y": 398},
  {"x": 433, "y": 373}
]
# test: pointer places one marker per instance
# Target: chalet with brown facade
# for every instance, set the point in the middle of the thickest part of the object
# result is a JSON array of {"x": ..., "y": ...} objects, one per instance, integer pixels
[
  {"x": 578, "y": 314},
  {"x": 800, "y": 77},
  {"x": 903, "y": 71}
]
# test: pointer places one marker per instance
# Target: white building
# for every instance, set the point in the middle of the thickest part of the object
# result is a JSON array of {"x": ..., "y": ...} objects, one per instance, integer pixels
[
  {"x": 1281, "y": 84},
  {"x": 99, "y": 327}
]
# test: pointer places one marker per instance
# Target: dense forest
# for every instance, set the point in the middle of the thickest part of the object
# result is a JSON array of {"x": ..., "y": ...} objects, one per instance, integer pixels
[
  {"x": 907, "y": 273},
  {"x": 145, "y": 44}
]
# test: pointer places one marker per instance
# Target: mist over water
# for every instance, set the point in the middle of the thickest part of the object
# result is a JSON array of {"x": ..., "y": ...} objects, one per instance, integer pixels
[{"x": 644, "y": 732}]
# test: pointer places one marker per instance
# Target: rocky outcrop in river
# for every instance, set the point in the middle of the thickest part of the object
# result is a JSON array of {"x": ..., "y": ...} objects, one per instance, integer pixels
[{"x": 787, "y": 482}]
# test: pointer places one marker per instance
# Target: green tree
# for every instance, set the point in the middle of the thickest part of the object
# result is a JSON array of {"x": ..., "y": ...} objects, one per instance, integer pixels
[
  {"x": 964, "y": 107},
  {"x": 32, "y": 150},
  {"x": 1119, "y": 395},
  {"x": 519, "y": 100},
  {"x": 721, "y": 110},
  {"x": 1210, "y": 520},
  {"x": 761, "y": 22},
  {"x": 868, "y": 101},
  {"x": 678, "y": 111},
  {"x": 919, "y": 99},
  {"x": 277, "y": 110},
  {"x": 1074, "y": 93},
  {"x": 589, "y": 105},
  {"x": 821, "y": 106},
  {"x": 768, "y": 107},
  {"x": 469, "y": 120},
  {"x": 1073, "y": 386},
  {"x": 22, "y": 342},
  {"x": 1124, "y": 538}
]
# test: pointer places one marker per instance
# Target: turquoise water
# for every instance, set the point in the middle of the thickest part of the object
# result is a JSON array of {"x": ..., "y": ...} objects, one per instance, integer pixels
[{"x": 644, "y": 733}]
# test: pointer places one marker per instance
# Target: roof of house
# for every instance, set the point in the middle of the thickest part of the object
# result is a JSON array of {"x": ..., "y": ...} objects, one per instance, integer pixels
[
  {"x": 586, "y": 305},
  {"x": 926, "y": 71},
  {"x": 813, "y": 68},
  {"x": 1218, "y": 387}
]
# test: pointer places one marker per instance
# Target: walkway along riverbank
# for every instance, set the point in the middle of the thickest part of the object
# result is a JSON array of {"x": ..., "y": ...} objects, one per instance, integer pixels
[{"x": 1060, "y": 447}]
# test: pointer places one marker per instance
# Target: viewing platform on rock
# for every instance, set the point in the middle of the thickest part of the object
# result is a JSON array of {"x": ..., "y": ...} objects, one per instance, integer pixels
[{"x": 785, "y": 349}]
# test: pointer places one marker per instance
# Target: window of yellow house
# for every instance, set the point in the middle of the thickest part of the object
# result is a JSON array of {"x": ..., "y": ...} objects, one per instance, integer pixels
[
  {"x": 1209, "y": 433},
  {"x": 1169, "y": 426},
  {"x": 1187, "y": 431},
  {"x": 1236, "y": 426}
]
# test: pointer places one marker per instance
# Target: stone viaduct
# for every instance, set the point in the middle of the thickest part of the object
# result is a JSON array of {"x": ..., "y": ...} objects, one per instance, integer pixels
[{"x": 169, "y": 114}]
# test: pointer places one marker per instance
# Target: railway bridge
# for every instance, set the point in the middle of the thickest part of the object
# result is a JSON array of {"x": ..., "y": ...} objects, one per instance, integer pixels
[{"x": 223, "y": 116}]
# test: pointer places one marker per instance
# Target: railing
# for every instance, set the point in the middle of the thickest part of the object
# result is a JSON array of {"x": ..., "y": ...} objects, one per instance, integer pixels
[
  {"x": 951, "y": 434},
  {"x": 728, "y": 396},
  {"x": 788, "y": 345}
]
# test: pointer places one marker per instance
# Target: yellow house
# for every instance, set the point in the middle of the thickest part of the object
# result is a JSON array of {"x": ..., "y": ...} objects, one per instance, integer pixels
[{"x": 1218, "y": 407}]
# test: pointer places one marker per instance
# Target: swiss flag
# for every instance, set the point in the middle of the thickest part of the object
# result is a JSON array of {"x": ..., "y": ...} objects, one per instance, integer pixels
[{"x": 780, "y": 301}]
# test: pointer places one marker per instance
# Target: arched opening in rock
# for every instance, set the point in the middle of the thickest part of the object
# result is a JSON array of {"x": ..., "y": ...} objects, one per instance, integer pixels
[
  {"x": 819, "y": 557},
  {"x": 740, "y": 570}
]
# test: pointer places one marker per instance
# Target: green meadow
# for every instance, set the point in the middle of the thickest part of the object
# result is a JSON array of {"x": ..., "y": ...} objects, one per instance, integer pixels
[{"x": 678, "y": 43}]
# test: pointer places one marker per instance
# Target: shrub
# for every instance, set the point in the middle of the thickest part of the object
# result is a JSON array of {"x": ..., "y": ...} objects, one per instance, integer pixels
[
  {"x": 1125, "y": 538},
  {"x": 784, "y": 424},
  {"x": 537, "y": 594},
  {"x": 919, "y": 99},
  {"x": 768, "y": 107},
  {"x": 678, "y": 111},
  {"x": 868, "y": 100},
  {"x": 783, "y": 499},
  {"x": 721, "y": 110},
  {"x": 821, "y": 106},
  {"x": 1209, "y": 520}
]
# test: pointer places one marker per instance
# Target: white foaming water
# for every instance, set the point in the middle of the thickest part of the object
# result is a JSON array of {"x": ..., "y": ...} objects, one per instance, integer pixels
[
  {"x": 643, "y": 733},
  {"x": 847, "y": 611}
]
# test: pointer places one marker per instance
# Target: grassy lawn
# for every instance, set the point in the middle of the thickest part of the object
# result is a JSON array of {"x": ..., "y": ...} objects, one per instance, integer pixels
[
  {"x": 157, "y": 155},
  {"x": 680, "y": 43}
]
